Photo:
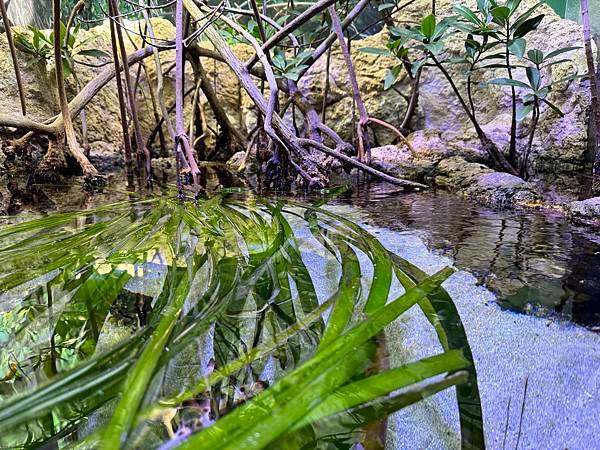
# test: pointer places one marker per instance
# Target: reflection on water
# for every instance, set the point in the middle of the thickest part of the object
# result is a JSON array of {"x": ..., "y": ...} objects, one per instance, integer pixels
[{"x": 534, "y": 261}]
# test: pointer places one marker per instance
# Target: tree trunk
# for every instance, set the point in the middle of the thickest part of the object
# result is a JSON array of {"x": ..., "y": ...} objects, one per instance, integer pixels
[
  {"x": 587, "y": 38},
  {"x": 182, "y": 144}
]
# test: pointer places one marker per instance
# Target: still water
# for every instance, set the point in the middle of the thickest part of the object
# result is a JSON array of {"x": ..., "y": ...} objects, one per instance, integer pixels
[{"x": 534, "y": 261}]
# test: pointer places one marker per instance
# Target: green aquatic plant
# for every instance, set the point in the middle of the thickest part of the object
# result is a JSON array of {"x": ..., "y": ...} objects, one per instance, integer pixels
[{"x": 128, "y": 321}]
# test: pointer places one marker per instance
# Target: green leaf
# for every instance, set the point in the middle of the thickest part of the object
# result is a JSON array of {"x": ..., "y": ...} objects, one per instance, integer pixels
[
  {"x": 428, "y": 26},
  {"x": 295, "y": 395},
  {"x": 377, "y": 386},
  {"x": 523, "y": 111},
  {"x": 523, "y": 17},
  {"x": 66, "y": 68},
  {"x": 560, "y": 51},
  {"x": 555, "y": 108},
  {"x": 517, "y": 47},
  {"x": 376, "y": 51},
  {"x": 500, "y": 14},
  {"x": 141, "y": 373},
  {"x": 417, "y": 66},
  {"x": 528, "y": 26},
  {"x": 535, "y": 56},
  {"x": 468, "y": 14},
  {"x": 391, "y": 76},
  {"x": 509, "y": 82},
  {"x": 513, "y": 5},
  {"x": 435, "y": 47},
  {"x": 347, "y": 296},
  {"x": 534, "y": 77}
]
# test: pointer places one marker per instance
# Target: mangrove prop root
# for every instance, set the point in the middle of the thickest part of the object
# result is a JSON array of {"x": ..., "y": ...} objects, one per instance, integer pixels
[
  {"x": 142, "y": 151},
  {"x": 88, "y": 169},
  {"x": 363, "y": 137}
]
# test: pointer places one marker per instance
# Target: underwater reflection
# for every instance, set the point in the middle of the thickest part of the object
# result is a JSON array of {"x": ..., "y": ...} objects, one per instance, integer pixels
[{"x": 534, "y": 260}]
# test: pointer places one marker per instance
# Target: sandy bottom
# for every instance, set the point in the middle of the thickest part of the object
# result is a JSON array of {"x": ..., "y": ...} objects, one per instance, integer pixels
[{"x": 560, "y": 361}]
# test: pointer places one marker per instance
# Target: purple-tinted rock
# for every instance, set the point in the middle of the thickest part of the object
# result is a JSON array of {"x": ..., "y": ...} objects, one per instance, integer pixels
[{"x": 585, "y": 212}]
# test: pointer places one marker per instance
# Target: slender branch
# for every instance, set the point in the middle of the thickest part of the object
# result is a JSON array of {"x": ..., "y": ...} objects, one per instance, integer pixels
[
  {"x": 512, "y": 149},
  {"x": 363, "y": 137},
  {"x": 142, "y": 150},
  {"x": 361, "y": 166},
  {"x": 122, "y": 106},
  {"x": 396, "y": 131},
  {"x": 327, "y": 43},
  {"x": 587, "y": 38},
  {"x": 181, "y": 137},
  {"x": 216, "y": 106},
  {"x": 13, "y": 55},
  {"x": 292, "y": 25},
  {"x": 413, "y": 102},
  {"x": 160, "y": 84},
  {"x": 525, "y": 158},
  {"x": 491, "y": 148}
]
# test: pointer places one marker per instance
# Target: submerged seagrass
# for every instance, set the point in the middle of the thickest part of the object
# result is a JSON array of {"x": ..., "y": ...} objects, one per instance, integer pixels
[{"x": 220, "y": 288}]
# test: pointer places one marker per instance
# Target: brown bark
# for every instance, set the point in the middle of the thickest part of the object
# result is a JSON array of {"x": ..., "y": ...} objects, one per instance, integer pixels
[
  {"x": 142, "y": 151},
  {"x": 281, "y": 34},
  {"x": 88, "y": 169},
  {"x": 160, "y": 97},
  {"x": 122, "y": 106},
  {"x": 214, "y": 102},
  {"x": 364, "y": 148}
]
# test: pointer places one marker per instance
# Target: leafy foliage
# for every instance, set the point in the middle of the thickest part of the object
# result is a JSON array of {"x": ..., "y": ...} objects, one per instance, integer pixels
[
  {"x": 494, "y": 36},
  {"x": 225, "y": 278},
  {"x": 38, "y": 45},
  {"x": 571, "y": 9}
]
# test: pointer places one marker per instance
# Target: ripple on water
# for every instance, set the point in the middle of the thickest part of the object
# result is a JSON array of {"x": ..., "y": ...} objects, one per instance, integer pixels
[{"x": 534, "y": 261}]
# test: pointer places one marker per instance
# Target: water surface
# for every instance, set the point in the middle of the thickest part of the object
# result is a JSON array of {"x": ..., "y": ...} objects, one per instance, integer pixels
[{"x": 535, "y": 261}]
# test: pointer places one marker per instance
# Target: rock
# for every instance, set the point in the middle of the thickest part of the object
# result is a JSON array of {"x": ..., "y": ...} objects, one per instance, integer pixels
[
  {"x": 235, "y": 162},
  {"x": 503, "y": 190},
  {"x": 585, "y": 212},
  {"x": 484, "y": 185},
  {"x": 457, "y": 174}
]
